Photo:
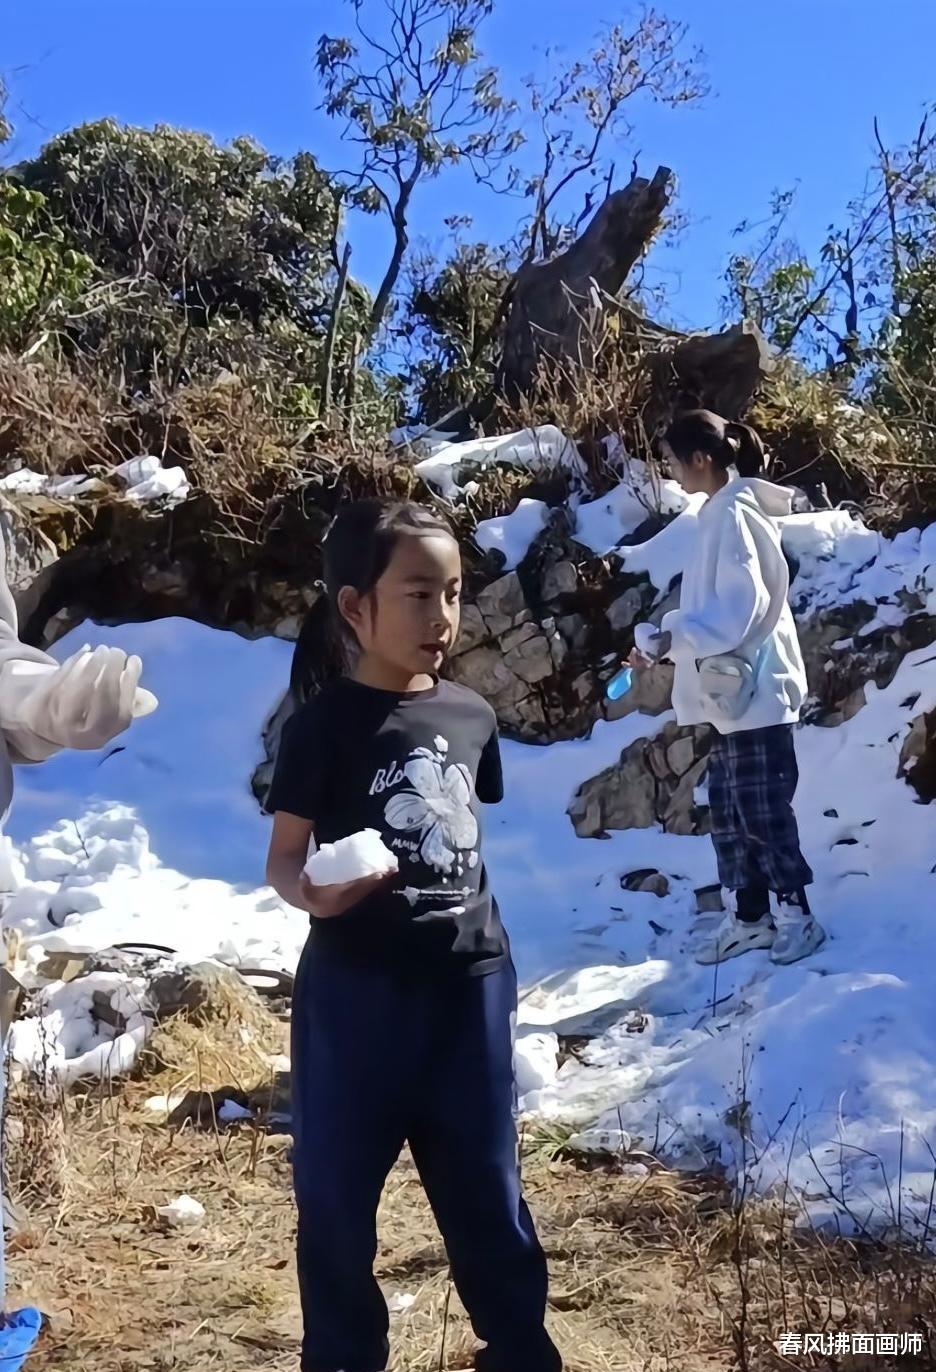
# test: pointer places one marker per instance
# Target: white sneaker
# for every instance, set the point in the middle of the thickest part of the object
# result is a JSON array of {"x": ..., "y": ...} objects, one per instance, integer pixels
[
  {"x": 732, "y": 937},
  {"x": 798, "y": 934}
]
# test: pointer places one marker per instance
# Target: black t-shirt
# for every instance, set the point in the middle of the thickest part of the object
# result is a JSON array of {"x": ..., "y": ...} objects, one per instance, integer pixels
[{"x": 414, "y": 767}]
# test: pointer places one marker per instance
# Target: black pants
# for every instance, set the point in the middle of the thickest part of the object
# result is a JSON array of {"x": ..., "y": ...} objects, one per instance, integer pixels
[
  {"x": 753, "y": 777},
  {"x": 378, "y": 1059}
]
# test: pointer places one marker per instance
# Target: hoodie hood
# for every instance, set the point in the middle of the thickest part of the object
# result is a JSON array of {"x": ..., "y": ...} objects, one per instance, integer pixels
[{"x": 773, "y": 501}]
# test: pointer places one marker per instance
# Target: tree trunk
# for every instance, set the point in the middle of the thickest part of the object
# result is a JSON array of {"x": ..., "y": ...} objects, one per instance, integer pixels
[
  {"x": 331, "y": 338},
  {"x": 550, "y": 300}
]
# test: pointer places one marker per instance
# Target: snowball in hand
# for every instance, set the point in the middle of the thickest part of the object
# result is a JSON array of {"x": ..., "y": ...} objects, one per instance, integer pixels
[
  {"x": 144, "y": 703},
  {"x": 647, "y": 640},
  {"x": 359, "y": 855}
]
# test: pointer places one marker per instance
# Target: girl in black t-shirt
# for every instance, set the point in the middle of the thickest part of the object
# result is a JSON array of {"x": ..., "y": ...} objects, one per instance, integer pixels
[{"x": 405, "y": 993}]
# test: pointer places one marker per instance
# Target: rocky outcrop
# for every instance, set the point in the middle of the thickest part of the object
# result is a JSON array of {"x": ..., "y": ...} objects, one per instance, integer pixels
[
  {"x": 842, "y": 658},
  {"x": 918, "y": 756},
  {"x": 653, "y": 783},
  {"x": 512, "y": 659}
]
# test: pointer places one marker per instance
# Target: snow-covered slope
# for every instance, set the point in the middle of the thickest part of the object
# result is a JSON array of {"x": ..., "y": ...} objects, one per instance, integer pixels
[{"x": 162, "y": 842}]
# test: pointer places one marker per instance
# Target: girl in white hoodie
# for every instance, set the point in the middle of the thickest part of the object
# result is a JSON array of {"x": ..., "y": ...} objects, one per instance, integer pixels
[{"x": 739, "y": 668}]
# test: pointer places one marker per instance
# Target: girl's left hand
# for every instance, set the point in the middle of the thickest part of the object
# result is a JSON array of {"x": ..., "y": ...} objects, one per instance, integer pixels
[{"x": 327, "y": 902}]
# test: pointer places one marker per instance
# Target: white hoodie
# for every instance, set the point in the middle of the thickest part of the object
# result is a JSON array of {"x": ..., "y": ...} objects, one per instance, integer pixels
[{"x": 734, "y": 600}]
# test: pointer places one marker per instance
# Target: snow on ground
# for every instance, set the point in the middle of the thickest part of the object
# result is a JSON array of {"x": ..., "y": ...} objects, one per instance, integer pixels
[
  {"x": 601, "y": 524},
  {"x": 156, "y": 840},
  {"x": 161, "y": 842},
  {"x": 512, "y": 534},
  {"x": 832, "y": 1055},
  {"x": 543, "y": 449}
]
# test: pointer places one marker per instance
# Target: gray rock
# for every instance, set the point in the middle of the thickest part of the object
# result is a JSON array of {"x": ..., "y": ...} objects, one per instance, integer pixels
[
  {"x": 171, "y": 580},
  {"x": 30, "y": 557},
  {"x": 104, "y": 1012},
  {"x": 918, "y": 756},
  {"x": 585, "y": 686},
  {"x": 558, "y": 649},
  {"x": 624, "y": 611},
  {"x": 525, "y": 716},
  {"x": 681, "y": 755},
  {"x": 502, "y": 603},
  {"x": 473, "y": 630},
  {"x": 513, "y": 638},
  {"x": 484, "y": 670},
  {"x": 640, "y": 790},
  {"x": 622, "y": 797},
  {"x": 709, "y": 900},
  {"x": 651, "y": 694},
  {"x": 648, "y": 880},
  {"x": 682, "y": 815},
  {"x": 193, "y": 991},
  {"x": 559, "y": 579},
  {"x": 574, "y": 629},
  {"x": 288, "y": 628},
  {"x": 530, "y": 659}
]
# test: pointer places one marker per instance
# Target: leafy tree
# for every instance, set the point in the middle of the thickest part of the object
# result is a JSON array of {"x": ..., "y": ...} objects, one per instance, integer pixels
[
  {"x": 225, "y": 230},
  {"x": 5, "y": 129},
  {"x": 584, "y": 108},
  {"x": 772, "y": 282},
  {"x": 449, "y": 325},
  {"x": 42, "y": 275},
  {"x": 414, "y": 98},
  {"x": 213, "y": 256},
  {"x": 864, "y": 294}
]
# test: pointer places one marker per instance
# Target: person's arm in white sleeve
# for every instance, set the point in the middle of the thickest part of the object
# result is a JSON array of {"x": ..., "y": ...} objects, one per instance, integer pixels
[
  {"x": 44, "y": 706},
  {"x": 741, "y": 601},
  {"x": 21, "y": 668}
]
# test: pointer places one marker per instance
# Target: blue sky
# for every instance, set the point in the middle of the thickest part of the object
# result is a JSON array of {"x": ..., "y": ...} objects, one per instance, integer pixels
[{"x": 795, "y": 87}]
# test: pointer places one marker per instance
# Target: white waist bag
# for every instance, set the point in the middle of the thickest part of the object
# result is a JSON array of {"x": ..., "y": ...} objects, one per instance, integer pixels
[{"x": 728, "y": 683}]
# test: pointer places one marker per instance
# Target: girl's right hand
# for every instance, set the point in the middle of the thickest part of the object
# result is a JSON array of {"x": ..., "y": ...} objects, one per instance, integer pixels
[{"x": 326, "y": 902}]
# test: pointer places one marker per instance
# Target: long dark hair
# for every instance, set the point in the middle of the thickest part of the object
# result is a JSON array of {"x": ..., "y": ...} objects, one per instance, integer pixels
[
  {"x": 358, "y": 547},
  {"x": 726, "y": 441}
]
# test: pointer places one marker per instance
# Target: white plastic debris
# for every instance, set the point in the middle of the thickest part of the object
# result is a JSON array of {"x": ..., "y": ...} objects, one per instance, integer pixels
[
  {"x": 25, "y": 482},
  {"x": 182, "y": 1213},
  {"x": 164, "y": 1104},
  {"x": 359, "y": 855},
  {"x": 400, "y": 1302},
  {"x": 67, "y": 487},
  {"x": 147, "y": 479}
]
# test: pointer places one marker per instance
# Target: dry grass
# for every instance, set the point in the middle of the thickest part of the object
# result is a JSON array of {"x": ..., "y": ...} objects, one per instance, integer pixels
[{"x": 647, "y": 1271}]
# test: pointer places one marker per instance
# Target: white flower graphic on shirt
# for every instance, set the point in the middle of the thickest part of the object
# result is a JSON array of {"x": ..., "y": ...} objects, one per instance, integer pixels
[{"x": 438, "y": 807}]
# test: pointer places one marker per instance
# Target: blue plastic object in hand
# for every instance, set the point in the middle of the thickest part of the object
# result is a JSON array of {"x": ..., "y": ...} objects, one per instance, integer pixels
[{"x": 619, "y": 684}]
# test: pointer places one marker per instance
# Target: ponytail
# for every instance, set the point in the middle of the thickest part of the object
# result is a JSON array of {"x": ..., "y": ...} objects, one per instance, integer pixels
[
  {"x": 750, "y": 453},
  {"x": 726, "y": 442}
]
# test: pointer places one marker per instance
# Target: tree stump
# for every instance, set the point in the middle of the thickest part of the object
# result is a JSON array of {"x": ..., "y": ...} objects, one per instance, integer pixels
[{"x": 548, "y": 300}]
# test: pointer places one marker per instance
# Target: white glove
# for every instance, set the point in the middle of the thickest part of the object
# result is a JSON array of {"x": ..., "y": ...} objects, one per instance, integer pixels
[{"x": 83, "y": 704}]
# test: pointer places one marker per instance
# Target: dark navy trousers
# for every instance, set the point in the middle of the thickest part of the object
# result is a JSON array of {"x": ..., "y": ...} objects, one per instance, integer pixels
[{"x": 382, "y": 1057}]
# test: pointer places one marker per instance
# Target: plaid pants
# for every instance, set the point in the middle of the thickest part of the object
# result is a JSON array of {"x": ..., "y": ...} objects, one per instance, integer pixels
[{"x": 752, "y": 781}]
